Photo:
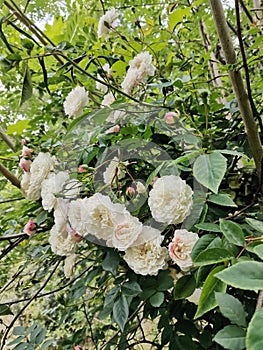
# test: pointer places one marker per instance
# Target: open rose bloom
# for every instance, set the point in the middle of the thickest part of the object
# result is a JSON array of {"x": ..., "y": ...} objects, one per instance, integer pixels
[{"x": 181, "y": 247}]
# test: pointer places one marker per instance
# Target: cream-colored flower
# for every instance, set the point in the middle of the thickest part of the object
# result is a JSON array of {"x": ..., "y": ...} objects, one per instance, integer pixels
[
  {"x": 181, "y": 247},
  {"x": 108, "y": 99},
  {"x": 42, "y": 165},
  {"x": 76, "y": 100},
  {"x": 194, "y": 298},
  {"x": 146, "y": 256},
  {"x": 126, "y": 229},
  {"x": 61, "y": 245},
  {"x": 110, "y": 18},
  {"x": 114, "y": 171},
  {"x": 170, "y": 199},
  {"x": 52, "y": 185},
  {"x": 140, "y": 68},
  {"x": 97, "y": 213},
  {"x": 25, "y": 182},
  {"x": 74, "y": 216},
  {"x": 61, "y": 216}
]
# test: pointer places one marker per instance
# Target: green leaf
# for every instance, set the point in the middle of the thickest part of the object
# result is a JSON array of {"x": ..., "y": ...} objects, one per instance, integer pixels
[
  {"x": 111, "y": 262},
  {"x": 209, "y": 170},
  {"x": 259, "y": 250},
  {"x": 231, "y": 308},
  {"x": 208, "y": 226},
  {"x": 255, "y": 224},
  {"x": 18, "y": 127},
  {"x": 47, "y": 343},
  {"x": 27, "y": 87},
  {"x": 233, "y": 232},
  {"x": 254, "y": 340},
  {"x": 111, "y": 296},
  {"x": 207, "y": 299},
  {"x": 244, "y": 275},
  {"x": 24, "y": 346},
  {"x": 5, "y": 310},
  {"x": 222, "y": 199},
  {"x": 131, "y": 288},
  {"x": 202, "y": 243},
  {"x": 19, "y": 330},
  {"x": 212, "y": 256},
  {"x": 164, "y": 281},
  {"x": 120, "y": 312},
  {"x": 184, "y": 287},
  {"x": 157, "y": 299},
  {"x": 231, "y": 337},
  {"x": 177, "y": 16}
]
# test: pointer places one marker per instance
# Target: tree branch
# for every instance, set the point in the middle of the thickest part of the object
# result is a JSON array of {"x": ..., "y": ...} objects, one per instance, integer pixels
[
  {"x": 250, "y": 124},
  {"x": 9, "y": 176}
]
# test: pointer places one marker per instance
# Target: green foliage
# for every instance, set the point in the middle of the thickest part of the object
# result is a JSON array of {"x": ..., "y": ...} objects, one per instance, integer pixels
[{"x": 254, "y": 339}]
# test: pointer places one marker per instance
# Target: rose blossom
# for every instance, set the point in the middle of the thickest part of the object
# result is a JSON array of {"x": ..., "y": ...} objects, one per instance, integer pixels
[
  {"x": 50, "y": 186},
  {"x": 146, "y": 256},
  {"x": 39, "y": 170},
  {"x": 62, "y": 244},
  {"x": 110, "y": 18},
  {"x": 75, "y": 101},
  {"x": 29, "y": 229},
  {"x": 102, "y": 87},
  {"x": 126, "y": 229},
  {"x": 181, "y": 247},
  {"x": 113, "y": 129},
  {"x": 108, "y": 99},
  {"x": 140, "y": 68},
  {"x": 82, "y": 169},
  {"x": 69, "y": 265},
  {"x": 25, "y": 164},
  {"x": 97, "y": 213},
  {"x": 170, "y": 199}
]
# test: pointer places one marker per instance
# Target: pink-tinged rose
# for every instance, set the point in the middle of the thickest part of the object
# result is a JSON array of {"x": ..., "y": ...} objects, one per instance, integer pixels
[
  {"x": 130, "y": 191},
  {"x": 29, "y": 229},
  {"x": 77, "y": 347},
  {"x": 25, "y": 164},
  {"x": 23, "y": 142},
  {"x": 27, "y": 152},
  {"x": 115, "y": 128},
  {"x": 181, "y": 247},
  {"x": 82, "y": 169},
  {"x": 109, "y": 75}
]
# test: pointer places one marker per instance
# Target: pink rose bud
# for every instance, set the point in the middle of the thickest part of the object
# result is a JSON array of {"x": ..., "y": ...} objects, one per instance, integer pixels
[
  {"x": 25, "y": 164},
  {"x": 82, "y": 169},
  {"x": 23, "y": 142},
  {"x": 169, "y": 117},
  {"x": 130, "y": 191},
  {"x": 109, "y": 75},
  {"x": 27, "y": 152},
  {"x": 115, "y": 128},
  {"x": 77, "y": 347},
  {"x": 29, "y": 229}
]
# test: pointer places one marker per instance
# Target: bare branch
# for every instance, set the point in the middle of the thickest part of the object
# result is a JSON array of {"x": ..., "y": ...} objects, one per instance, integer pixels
[{"x": 9, "y": 176}]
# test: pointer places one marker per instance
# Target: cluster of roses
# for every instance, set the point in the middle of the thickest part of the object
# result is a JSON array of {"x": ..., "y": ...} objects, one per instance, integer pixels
[{"x": 111, "y": 223}]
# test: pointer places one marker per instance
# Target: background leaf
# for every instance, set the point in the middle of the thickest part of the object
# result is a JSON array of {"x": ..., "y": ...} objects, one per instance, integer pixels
[
  {"x": 231, "y": 337},
  {"x": 254, "y": 339},
  {"x": 231, "y": 308}
]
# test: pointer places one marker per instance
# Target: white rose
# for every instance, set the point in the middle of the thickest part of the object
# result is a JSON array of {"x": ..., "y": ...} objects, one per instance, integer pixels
[
  {"x": 75, "y": 101},
  {"x": 110, "y": 18},
  {"x": 25, "y": 182},
  {"x": 115, "y": 170},
  {"x": 61, "y": 216},
  {"x": 146, "y": 256},
  {"x": 97, "y": 214},
  {"x": 108, "y": 99},
  {"x": 42, "y": 165},
  {"x": 194, "y": 298},
  {"x": 50, "y": 186},
  {"x": 170, "y": 200},
  {"x": 74, "y": 216},
  {"x": 181, "y": 247},
  {"x": 60, "y": 244},
  {"x": 125, "y": 232}
]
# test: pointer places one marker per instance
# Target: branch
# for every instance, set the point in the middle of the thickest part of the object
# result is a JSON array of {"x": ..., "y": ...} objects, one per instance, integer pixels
[
  {"x": 26, "y": 305},
  {"x": 8, "y": 237},
  {"x": 6, "y": 139},
  {"x": 244, "y": 59},
  {"x": 250, "y": 124},
  {"x": 9, "y": 176}
]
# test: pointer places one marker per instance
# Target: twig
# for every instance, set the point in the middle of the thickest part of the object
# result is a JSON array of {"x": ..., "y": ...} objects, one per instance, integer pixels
[
  {"x": 26, "y": 305},
  {"x": 7, "y": 139},
  {"x": 9, "y": 176},
  {"x": 6, "y": 238},
  {"x": 11, "y": 200}
]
